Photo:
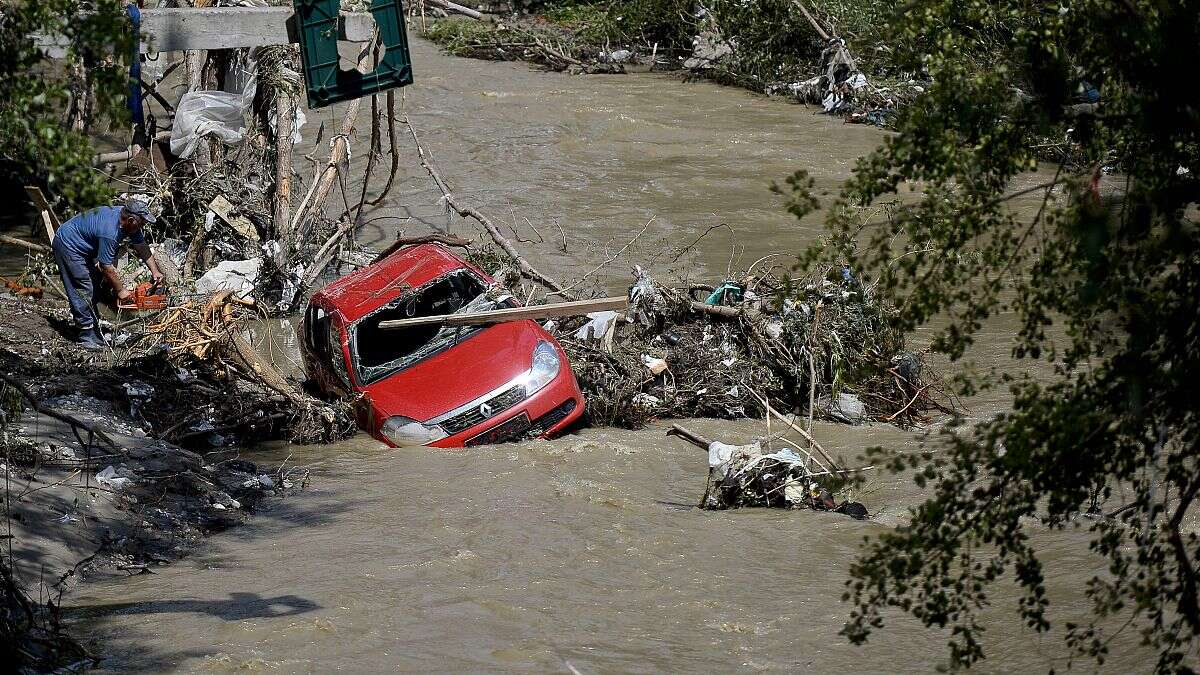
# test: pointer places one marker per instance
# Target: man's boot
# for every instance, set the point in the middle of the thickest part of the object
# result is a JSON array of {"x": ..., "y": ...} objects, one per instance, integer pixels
[{"x": 90, "y": 338}]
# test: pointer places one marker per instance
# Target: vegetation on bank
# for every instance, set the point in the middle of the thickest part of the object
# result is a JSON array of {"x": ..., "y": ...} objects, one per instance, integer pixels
[
  {"x": 49, "y": 109},
  {"x": 1104, "y": 280},
  {"x": 768, "y": 46}
]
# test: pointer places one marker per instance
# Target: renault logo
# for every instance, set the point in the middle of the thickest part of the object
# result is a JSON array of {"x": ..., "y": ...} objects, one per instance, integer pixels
[{"x": 485, "y": 410}]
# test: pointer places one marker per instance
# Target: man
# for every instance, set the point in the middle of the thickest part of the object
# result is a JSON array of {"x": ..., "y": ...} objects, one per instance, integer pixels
[{"x": 85, "y": 248}]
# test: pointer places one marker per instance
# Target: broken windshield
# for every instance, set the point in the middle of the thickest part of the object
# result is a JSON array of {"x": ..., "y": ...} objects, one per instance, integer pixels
[{"x": 379, "y": 353}]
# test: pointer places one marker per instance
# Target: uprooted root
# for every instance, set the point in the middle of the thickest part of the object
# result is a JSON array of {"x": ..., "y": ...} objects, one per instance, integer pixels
[{"x": 259, "y": 403}]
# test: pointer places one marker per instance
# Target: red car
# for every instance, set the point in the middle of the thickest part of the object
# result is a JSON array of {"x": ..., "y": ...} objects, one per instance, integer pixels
[{"x": 432, "y": 384}]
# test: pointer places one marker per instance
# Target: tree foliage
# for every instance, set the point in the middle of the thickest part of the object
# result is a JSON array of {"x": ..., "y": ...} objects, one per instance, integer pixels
[
  {"x": 1106, "y": 291},
  {"x": 37, "y": 144}
]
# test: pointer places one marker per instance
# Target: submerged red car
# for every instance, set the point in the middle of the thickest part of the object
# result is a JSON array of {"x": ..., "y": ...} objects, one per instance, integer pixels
[{"x": 432, "y": 384}]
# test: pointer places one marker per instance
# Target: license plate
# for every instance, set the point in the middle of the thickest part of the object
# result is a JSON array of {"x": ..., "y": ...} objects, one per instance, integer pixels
[{"x": 513, "y": 428}]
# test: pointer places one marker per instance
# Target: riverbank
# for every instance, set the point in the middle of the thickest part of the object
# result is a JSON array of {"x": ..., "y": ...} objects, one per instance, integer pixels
[
  {"x": 836, "y": 59},
  {"x": 93, "y": 489}
]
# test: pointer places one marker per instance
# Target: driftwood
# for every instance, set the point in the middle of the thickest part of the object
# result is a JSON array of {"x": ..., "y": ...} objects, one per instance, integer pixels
[
  {"x": 285, "y": 117},
  {"x": 689, "y": 436},
  {"x": 49, "y": 218},
  {"x": 457, "y": 8},
  {"x": 466, "y": 211},
  {"x": 573, "y": 308},
  {"x": 14, "y": 241}
]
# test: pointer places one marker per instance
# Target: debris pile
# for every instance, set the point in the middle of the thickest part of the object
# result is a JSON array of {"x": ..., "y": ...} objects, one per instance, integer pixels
[
  {"x": 823, "y": 345},
  {"x": 788, "y": 477}
]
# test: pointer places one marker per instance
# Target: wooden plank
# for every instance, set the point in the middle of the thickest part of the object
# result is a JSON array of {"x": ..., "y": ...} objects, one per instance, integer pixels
[
  {"x": 513, "y": 313},
  {"x": 192, "y": 28},
  {"x": 43, "y": 204},
  {"x": 240, "y": 224}
]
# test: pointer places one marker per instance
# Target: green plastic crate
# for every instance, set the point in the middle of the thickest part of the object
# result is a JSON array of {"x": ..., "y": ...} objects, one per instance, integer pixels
[{"x": 325, "y": 81}]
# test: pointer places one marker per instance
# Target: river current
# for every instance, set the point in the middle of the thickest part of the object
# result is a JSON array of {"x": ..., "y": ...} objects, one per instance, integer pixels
[{"x": 586, "y": 553}]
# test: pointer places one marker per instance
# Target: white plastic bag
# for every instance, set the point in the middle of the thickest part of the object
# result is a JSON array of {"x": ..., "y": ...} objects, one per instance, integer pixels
[{"x": 201, "y": 113}]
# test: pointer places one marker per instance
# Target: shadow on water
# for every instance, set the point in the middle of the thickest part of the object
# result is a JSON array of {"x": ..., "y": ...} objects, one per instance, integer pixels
[{"x": 239, "y": 607}]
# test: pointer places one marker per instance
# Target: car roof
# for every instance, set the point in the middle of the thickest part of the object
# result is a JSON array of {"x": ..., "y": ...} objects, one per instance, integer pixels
[{"x": 366, "y": 290}]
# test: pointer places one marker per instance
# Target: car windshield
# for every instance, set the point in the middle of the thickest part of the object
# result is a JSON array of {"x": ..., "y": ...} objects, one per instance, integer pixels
[{"x": 379, "y": 353}]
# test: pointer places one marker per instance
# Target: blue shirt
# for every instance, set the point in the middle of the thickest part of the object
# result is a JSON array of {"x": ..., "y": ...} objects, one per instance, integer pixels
[{"x": 95, "y": 235}]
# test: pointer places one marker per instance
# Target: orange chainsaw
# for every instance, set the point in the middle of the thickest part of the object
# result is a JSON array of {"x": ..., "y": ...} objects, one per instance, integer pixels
[{"x": 147, "y": 296}]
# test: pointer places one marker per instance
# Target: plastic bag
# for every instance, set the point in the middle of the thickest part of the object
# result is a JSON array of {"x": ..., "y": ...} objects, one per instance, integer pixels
[{"x": 201, "y": 113}]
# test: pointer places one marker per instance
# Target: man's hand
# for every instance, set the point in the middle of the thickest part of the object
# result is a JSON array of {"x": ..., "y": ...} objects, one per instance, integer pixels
[
  {"x": 157, "y": 277},
  {"x": 124, "y": 294}
]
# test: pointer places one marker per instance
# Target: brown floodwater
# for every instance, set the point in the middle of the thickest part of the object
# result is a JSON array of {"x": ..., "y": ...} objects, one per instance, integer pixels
[{"x": 583, "y": 554}]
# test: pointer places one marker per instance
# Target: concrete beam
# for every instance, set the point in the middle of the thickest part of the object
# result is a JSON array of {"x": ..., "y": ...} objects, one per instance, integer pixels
[{"x": 179, "y": 29}]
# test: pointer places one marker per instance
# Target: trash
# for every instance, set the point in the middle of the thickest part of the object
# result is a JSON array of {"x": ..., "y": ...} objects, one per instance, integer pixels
[
  {"x": 653, "y": 364},
  {"x": 597, "y": 326},
  {"x": 232, "y": 275},
  {"x": 204, "y": 113},
  {"x": 827, "y": 325},
  {"x": 745, "y": 475},
  {"x": 616, "y": 56},
  {"x": 115, "y": 478},
  {"x": 846, "y": 408},
  {"x": 138, "y": 389}
]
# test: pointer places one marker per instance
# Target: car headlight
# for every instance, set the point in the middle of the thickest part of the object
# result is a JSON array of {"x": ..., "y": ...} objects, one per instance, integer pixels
[
  {"x": 546, "y": 365},
  {"x": 405, "y": 431}
]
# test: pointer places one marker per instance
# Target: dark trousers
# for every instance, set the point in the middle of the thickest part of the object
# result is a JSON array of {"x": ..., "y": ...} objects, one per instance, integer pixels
[{"x": 81, "y": 279}]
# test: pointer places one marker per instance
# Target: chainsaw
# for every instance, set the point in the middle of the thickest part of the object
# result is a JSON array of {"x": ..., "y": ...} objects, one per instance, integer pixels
[{"x": 147, "y": 296}]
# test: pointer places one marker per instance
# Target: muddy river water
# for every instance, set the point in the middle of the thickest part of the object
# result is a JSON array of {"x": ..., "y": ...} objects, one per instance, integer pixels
[{"x": 582, "y": 554}]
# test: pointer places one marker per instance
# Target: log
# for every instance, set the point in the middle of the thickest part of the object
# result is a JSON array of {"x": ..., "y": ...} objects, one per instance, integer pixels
[
  {"x": 455, "y": 7},
  {"x": 315, "y": 200},
  {"x": 285, "y": 117},
  {"x": 14, "y": 241},
  {"x": 512, "y": 313},
  {"x": 717, "y": 310}
]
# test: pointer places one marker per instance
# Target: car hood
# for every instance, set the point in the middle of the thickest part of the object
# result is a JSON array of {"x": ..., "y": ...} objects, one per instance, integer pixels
[{"x": 480, "y": 364}]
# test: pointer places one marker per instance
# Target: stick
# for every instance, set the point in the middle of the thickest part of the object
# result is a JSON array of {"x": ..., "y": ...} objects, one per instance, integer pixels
[
  {"x": 816, "y": 26},
  {"x": 780, "y": 416},
  {"x": 512, "y": 313},
  {"x": 391, "y": 112},
  {"x": 14, "y": 241},
  {"x": 527, "y": 270},
  {"x": 62, "y": 417},
  {"x": 689, "y": 436}
]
